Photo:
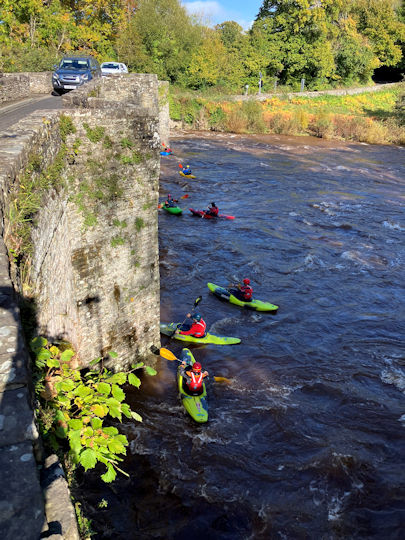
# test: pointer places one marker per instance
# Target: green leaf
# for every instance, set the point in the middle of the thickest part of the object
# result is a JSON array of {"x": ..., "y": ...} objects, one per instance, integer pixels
[
  {"x": 67, "y": 385},
  {"x": 64, "y": 400},
  {"x": 82, "y": 391},
  {"x": 126, "y": 410},
  {"x": 88, "y": 459},
  {"x": 116, "y": 447},
  {"x": 75, "y": 423},
  {"x": 136, "y": 416},
  {"x": 54, "y": 350},
  {"x": 43, "y": 355},
  {"x": 118, "y": 378},
  {"x": 67, "y": 355},
  {"x": 103, "y": 388},
  {"x": 115, "y": 408},
  {"x": 95, "y": 361},
  {"x": 134, "y": 380},
  {"x": 52, "y": 363},
  {"x": 96, "y": 423},
  {"x": 110, "y": 430},
  {"x": 118, "y": 393},
  {"x": 113, "y": 354},
  {"x": 110, "y": 475},
  {"x": 74, "y": 439},
  {"x": 150, "y": 371},
  {"x": 37, "y": 343},
  {"x": 137, "y": 366},
  {"x": 99, "y": 410}
]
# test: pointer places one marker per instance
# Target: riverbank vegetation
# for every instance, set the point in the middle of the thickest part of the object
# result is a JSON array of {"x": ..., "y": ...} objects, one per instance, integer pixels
[
  {"x": 371, "y": 117},
  {"x": 322, "y": 44}
]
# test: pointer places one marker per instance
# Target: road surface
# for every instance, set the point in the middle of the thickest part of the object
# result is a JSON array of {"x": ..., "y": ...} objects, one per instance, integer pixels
[{"x": 11, "y": 113}]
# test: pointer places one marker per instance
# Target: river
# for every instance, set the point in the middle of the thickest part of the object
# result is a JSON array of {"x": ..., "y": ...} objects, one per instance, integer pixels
[{"x": 307, "y": 440}]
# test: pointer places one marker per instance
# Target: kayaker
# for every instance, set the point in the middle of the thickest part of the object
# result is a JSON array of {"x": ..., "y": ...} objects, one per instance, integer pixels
[
  {"x": 186, "y": 170},
  {"x": 193, "y": 375},
  {"x": 196, "y": 329},
  {"x": 167, "y": 149},
  {"x": 212, "y": 210},
  {"x": 170, "y": 201},
  {"x": 243, "y": 292}
]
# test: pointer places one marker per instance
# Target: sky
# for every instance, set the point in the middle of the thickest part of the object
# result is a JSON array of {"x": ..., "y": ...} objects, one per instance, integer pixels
[{"x": 217, "y": 11}]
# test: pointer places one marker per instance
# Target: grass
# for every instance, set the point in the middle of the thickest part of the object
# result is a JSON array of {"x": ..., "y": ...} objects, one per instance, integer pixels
[{"x": 370, "y": 117}]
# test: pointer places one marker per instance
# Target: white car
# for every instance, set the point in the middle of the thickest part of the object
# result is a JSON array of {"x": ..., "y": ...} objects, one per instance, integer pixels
[{"x": 113, "y": 68}]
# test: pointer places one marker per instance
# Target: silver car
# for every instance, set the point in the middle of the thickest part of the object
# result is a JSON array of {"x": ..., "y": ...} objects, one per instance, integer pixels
[{"x": 113, "y": 68}]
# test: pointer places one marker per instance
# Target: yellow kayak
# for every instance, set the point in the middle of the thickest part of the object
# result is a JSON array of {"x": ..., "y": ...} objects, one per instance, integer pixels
[{"x": 181, "y": 173}]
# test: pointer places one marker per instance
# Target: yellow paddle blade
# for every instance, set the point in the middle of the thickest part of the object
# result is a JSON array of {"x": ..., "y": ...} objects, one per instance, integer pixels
[
  {"x": 222, "y": 379},
  {"x": 165, "y": 353}
]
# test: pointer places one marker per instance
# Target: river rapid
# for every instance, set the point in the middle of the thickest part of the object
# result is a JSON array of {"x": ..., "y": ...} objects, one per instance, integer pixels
[{"x": 307, "y": 440}]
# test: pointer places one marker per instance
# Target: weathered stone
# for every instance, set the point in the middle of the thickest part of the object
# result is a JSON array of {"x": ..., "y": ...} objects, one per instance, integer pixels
[
  {"x": 16, "y": 417},
  {"x": 14, "y": 86},
  {"x": 21, "y": 500},
  {"x": 60, "y": 514},
  {"x": 13, "y": 370}
]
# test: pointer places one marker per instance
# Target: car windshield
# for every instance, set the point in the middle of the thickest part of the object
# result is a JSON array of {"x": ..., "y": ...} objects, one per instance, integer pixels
[
  {"x": 69, "y": 63},
  {"x": 110, "y": 66}
]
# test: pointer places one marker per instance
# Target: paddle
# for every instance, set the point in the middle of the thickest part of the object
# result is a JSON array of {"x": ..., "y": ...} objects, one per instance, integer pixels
[
  {"x": 196, "y": 302},
  {"x": 186, "y": 196},
  {"x": 168, "y": 355}
]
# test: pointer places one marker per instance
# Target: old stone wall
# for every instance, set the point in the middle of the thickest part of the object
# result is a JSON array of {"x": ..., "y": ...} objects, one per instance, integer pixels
[
  {"x": 14, "y": 86},
  {"x": 93, "y": 268}
]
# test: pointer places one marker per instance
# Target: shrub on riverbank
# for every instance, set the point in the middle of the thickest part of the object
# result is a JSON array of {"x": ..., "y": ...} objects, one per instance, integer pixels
[{"x": 371, "y": 117}]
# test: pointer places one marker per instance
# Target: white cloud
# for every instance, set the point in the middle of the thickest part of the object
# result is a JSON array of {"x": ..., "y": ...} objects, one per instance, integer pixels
[
  {"x": 206, "y": 8},
  {"x": 213, "y": 13}
]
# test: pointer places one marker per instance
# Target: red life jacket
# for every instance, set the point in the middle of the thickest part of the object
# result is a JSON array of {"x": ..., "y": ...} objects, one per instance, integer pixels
[
  {"x": 196, "y": 381},
  {"x": 247, "y": 292},
  {"x": 213, "y": 210},
  {"x": 197, "y": 329}
]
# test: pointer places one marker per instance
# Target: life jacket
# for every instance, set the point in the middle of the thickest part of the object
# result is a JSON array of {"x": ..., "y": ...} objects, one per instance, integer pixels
[
  {"x": 196, "y": 381},
  {"x": 247, "y": 292},
  {"x": 213, "y": 210},
  {"x": 198, "y": 328}
]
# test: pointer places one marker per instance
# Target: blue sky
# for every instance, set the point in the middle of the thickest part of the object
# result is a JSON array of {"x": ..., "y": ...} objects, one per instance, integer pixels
[{"x": 216, "y": 11}]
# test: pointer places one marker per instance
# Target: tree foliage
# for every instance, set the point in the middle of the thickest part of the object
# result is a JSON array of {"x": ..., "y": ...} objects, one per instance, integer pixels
[{"x": 328, "y": 42}]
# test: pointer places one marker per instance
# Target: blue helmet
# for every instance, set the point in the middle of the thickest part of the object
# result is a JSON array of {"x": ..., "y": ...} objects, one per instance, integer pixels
[{"x": 197, "y": 317}]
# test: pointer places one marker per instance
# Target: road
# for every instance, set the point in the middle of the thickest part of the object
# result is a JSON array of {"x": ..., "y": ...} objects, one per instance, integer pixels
[{"x": 11, "y": 113}]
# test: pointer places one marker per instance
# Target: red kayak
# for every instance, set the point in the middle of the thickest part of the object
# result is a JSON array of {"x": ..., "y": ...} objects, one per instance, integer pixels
[{"x": 203, "y": 214}]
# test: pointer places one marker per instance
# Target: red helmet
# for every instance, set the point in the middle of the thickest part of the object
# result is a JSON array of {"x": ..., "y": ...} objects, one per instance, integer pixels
[
  {"x": 197, "y": 367},
  {"x": 246, "y": 281}
]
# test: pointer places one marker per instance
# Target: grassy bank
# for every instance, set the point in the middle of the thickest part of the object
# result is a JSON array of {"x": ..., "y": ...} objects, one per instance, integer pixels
[{"x": 371, "y": 117}]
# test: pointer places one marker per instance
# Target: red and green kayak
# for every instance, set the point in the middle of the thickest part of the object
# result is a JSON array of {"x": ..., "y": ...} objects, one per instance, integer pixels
[
  {"x": 203, "y": 214},
  {"x": 195, "y": 404},
  {"x": 168, "y": 330},
  {"x": 176, "y": 210},
  {"x": 255, "y": 304}
]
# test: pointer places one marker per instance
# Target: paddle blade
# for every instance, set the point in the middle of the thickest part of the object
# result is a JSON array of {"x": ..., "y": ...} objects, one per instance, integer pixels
[
  {"x": 222, "y": 379},
  {"x": 180, "y": 165},
  {"x": 197, "y": 301},
  {"x": 165, "y": 353},
  {"x": 160, "y": 206},
  {"x": 184, "y": 196}
]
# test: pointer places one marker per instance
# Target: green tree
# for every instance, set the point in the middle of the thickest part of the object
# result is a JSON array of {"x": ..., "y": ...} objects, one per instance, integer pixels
[{"x": 164, "y": 37}]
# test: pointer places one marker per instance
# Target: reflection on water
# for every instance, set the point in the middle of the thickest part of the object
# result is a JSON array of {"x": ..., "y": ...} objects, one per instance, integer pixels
[{"x": 308, "y": 439}]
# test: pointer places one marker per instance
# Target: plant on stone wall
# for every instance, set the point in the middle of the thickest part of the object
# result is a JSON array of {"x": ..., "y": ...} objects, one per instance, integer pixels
[
  {"x": 74, "y": 406},
  {"x": 94, "y": 134},
  {"x": 139, "y": 223}
]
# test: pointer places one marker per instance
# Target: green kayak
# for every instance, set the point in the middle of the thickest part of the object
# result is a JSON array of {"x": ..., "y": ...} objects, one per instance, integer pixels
[
  {"x": 168, "y": 328},
  {"x": 225, "y": 294},
  {"x": 173, "y": 209},
  {"x": 195, "y": 405}
]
